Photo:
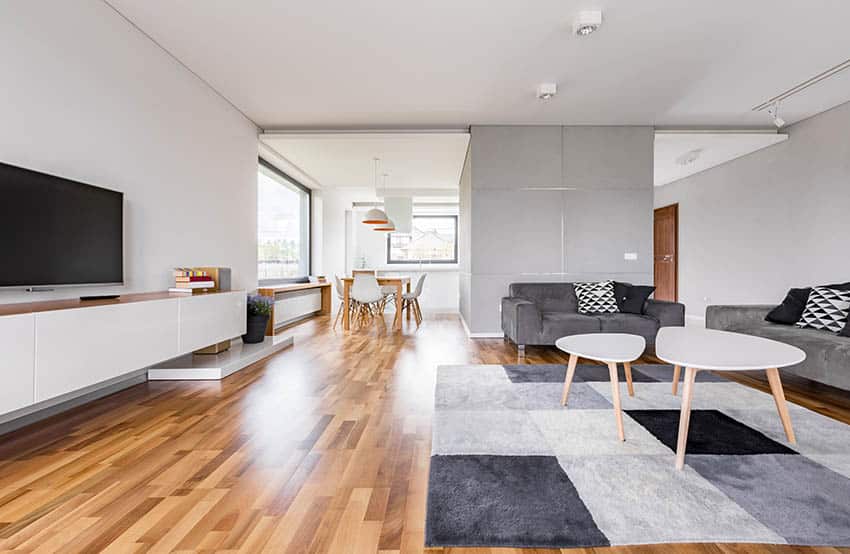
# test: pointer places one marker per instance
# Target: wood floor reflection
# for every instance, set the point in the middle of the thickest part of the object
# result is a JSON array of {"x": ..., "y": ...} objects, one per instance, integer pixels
[{"x": 322, "y": 448}]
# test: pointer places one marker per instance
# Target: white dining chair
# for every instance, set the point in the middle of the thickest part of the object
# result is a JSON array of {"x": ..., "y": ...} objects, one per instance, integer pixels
[
  {"x": 411, "y": 299},
  {"x": 366, "y": 292},
  {"x": 340, "y": 294}
]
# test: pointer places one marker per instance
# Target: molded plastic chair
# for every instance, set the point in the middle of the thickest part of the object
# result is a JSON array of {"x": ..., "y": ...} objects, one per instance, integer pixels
[{"x": 367, "y": 293}]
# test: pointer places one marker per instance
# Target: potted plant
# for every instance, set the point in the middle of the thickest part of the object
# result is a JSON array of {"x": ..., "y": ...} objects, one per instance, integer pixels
[{"x": 259, "y": 311}]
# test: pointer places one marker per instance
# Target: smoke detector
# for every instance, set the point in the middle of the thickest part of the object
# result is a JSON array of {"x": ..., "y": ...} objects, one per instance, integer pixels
[
  {"x": 545, "y": 91},
  {"x": 587, "y": 22},
  {"x": 689, "y": 157}
]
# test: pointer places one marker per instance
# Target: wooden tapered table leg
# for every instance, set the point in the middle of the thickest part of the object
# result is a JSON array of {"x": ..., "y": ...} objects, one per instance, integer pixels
[
  {"x": 677, "y": 372},
  {"x": 628, "y": 370},
  {"x": 685, "y": 416},
  {"x": 781, "y": 405},
  {"x": 346, "y": 300},
  {"x": 615, "y": 393},
  {"x": 571, "y": 371}
]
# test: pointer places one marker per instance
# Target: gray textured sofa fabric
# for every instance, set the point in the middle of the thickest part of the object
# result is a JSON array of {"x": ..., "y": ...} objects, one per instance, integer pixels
[
  {"x": 541, "y": 313},
  {"x": 827, "y": 355}
]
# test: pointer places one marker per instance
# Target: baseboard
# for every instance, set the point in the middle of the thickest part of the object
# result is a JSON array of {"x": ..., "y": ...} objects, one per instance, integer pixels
[
  {"x": 472, "y": 335},
  {"x": 32, "y": 414},
  {"x": 694, "y": 321}
]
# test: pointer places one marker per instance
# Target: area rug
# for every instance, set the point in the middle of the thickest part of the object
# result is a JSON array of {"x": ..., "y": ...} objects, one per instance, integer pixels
[{"x": 511, "y": 467}]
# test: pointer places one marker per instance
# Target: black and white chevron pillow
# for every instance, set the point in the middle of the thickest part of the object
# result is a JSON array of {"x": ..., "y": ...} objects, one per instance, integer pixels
[
  {"x": 826, "y": 309},
  {"x": 596, "y": 298}
]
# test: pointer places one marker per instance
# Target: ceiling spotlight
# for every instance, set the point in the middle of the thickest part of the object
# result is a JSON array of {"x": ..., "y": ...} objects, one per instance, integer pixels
[
  {"x": 773, "y": 110},
  {"x": 545, "y": 91},
  {"x": 587, "y": 22},
  {"x": 689, "y": 157}
]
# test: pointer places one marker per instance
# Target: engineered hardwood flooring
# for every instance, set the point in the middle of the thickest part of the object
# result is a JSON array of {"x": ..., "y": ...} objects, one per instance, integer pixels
[{"x": 323, "y": 447}]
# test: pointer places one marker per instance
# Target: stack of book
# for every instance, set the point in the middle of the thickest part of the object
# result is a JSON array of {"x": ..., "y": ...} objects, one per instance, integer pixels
[{"x": 188, "y": 281}]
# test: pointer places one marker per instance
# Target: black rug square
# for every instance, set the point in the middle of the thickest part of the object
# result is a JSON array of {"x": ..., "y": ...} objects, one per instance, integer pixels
[
  {"x": 537, "y": 373},
  {"x": 507, "y": 501},
  {"x": 710, "y": 432},
  {"x": 585, "y": 373}
]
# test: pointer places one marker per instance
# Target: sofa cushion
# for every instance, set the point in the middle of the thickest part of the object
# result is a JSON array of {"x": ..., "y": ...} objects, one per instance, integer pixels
[
  {"x": 562, "y": 324},
  {"x": 634, "y": 324},
  {"x": 826, "y": 309},
  {"x": 549, "y": 297},
  {"x": 596, "y": 297},
  {"x": 789, "y": 312}
]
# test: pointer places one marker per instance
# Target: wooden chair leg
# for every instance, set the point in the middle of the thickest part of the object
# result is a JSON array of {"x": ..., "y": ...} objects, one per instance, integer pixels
[
  {"x": 615, "y": 394},
  {"x": 677, "y": 373},
  {"x": 418, "y": 311},
  {"x": 628, "y": 370},
  {"x": 338, "y": 314},
  {"x": 685, "y": 416},
  {"x": 781, "y": 405}
]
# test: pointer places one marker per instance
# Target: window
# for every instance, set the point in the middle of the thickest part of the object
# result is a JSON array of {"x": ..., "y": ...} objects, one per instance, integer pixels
[
  {"x": 283, "y": 226},
  {"x": 433, "y": 240}
]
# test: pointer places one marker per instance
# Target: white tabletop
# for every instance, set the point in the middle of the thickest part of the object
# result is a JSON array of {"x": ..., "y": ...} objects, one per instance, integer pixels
[
  {"x": 722, "y": 351},
  {"x": 604, "y": 347}
]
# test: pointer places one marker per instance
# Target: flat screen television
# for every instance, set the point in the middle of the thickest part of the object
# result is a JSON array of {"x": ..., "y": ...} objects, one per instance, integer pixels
[{"x": 58, "y": 232}]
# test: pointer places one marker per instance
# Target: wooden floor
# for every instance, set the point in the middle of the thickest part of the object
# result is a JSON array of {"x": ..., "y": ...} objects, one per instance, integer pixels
[{"x": 322, "y": 448}]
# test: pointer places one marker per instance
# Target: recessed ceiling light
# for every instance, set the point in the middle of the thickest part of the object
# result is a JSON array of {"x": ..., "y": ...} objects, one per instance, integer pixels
[
  {"x": 545, "y": 91},
  {"x": 587, "y": 22}
]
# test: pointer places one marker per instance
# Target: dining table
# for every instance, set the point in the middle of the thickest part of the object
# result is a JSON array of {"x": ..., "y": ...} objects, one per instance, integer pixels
[{"x": 397, "y": 281}]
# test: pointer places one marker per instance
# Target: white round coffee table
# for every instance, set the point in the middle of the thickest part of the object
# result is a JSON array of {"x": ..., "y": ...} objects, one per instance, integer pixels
[
  {"x": 695, "y": 349},
  {"x": 609, "y": 348}
]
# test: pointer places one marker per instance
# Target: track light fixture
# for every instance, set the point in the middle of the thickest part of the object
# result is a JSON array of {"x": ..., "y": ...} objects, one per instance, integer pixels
[{"x": 773, "y": 110}]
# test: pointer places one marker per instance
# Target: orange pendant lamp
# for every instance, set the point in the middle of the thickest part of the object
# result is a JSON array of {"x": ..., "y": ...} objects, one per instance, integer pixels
[
  {"x": 389, "y": 226},
  {"x": 376, "y": 216}
]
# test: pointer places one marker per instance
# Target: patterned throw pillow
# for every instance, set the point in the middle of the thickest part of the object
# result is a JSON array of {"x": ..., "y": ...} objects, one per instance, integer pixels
[
  {"x": 596, "y": 298},
  {"x": 826, "y": 309}
]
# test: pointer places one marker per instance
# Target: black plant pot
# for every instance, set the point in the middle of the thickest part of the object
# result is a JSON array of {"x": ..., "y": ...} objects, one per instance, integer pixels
[{"x": 256, "y": 329}]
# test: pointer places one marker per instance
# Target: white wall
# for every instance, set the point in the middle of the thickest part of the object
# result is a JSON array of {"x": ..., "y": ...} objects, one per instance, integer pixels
[
  {"x": 88, "y": 97},
  {"x": 778, "y": 218}
]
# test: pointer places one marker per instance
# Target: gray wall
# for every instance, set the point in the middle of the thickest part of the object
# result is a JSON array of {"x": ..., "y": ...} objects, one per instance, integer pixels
[
  {"x": 754, "y": 227},
  {"x": 464, "y": 238},
  {"x": 550, "y": 203}
]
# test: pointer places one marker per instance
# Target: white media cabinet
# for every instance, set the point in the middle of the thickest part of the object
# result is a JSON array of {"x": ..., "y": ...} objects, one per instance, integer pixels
[{"x": 54, "y": 351}]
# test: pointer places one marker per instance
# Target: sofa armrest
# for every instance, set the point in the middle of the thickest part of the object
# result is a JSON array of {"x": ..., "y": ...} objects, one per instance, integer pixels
[
  {"x": 521, "y": 320},
  {"x": 736, "y": 317},
  {"x": 668, "y": 314}
]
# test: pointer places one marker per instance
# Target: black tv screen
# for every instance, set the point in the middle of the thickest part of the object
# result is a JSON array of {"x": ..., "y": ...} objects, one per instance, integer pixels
[{"x": 55, "y": 231}]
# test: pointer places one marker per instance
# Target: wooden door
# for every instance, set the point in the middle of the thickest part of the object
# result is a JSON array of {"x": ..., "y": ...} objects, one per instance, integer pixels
[{"x": 666, "y": 245}]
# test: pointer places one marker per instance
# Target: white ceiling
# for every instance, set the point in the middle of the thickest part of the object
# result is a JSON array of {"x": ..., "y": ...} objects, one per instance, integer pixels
[
  {"x": 711, "y": 149},
  {"x": 426, "y": 164},
  {"x": 454, "y": 63}
]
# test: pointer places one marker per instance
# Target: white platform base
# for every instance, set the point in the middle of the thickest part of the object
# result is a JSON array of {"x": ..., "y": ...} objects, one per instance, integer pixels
[{"x": 206, "y": 367}]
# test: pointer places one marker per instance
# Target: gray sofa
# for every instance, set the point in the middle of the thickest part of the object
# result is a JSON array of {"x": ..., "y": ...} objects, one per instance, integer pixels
[
  {"x": 827, "y": 355},
  {"x": 541, "y": 313}
]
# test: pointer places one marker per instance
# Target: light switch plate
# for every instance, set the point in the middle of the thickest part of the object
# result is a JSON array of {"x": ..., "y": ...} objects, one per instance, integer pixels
[{"x": 630, "y": 256}]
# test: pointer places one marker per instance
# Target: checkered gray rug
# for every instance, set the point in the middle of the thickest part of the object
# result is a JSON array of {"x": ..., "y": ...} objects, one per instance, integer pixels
[{"x": 511, "y": 467}]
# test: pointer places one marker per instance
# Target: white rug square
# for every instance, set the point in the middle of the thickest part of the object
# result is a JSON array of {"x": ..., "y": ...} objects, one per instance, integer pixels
[
  {"x": 594, "y": 433},
  {"x": 645, "y": 500}
]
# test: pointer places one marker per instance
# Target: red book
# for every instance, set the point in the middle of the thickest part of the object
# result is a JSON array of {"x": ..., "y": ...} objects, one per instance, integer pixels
[{"x": 192, "y": 278}]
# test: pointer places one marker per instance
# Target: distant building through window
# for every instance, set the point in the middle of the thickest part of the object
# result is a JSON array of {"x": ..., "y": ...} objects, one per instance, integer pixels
[
  {"x": 283, "y": 226},
  {"x": 433, "y": 239}
]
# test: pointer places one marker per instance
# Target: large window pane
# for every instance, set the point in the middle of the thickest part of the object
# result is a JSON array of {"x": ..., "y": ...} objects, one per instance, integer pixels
[
  {"x": 283, "y": 227},
  {"x": 433, "y": 240}
]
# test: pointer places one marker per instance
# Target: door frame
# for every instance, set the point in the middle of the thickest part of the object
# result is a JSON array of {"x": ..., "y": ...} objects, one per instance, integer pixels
[{"x": 675, "y": 210}]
